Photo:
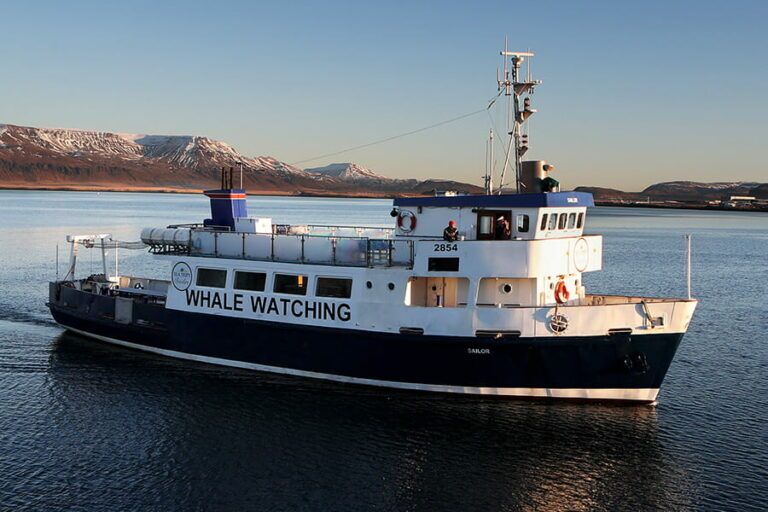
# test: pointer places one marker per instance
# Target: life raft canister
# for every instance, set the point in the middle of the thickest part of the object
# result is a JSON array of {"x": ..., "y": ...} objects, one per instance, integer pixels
[
  {"x": 406, "y": 221},
  {"x": 561, "y": 292}
]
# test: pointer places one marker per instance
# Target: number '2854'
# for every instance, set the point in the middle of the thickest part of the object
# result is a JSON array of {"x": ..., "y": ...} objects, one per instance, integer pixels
[{"x": 446, "y": 247}]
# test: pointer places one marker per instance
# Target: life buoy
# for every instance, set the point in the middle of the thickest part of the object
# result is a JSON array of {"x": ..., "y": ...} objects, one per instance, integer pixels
[
  {"x": 406, "y": 221},
  {"x": 561, "y": 292}
]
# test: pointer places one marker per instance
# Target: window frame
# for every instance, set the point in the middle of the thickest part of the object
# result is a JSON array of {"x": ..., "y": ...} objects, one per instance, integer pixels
[
  {"x": 572, "y": 220},
  {"x": 544, "y": 220},
  {"x": 562, "y": 221}
]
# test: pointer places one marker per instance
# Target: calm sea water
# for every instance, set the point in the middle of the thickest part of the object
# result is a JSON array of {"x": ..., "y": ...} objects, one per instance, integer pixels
[{"x": 85, "y": 426}]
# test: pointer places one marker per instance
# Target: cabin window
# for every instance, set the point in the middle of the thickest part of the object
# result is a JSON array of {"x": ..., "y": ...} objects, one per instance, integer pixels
[
  {"x": 571, "y": 221},
  {"x": 334, "y": 287},
  {"x": 553, "y": 222},
  {"x": 543, "y": 222},
  {"x": 211, "y": 277},
  {"x": 562, "y": 221},
  {"x": 523, "y": 223},
  {"x": 250, "y": 281},
  {"x": 580, "y": 221},
  {"x": 293, "y": 285}
]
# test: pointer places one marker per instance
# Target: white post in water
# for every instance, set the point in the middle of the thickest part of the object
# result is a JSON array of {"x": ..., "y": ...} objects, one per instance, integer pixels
[
  {"x": 57, "y": 262},
  {"x": 688, "y": 263}
]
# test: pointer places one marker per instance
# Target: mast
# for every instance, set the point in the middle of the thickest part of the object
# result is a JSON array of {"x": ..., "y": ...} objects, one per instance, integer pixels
[
  {"x": 515, "y": 86},
  {"x": 489, "y": 165}
]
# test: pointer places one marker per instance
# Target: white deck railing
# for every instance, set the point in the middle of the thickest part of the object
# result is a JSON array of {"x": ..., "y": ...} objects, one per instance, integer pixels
[{"x": 302, "y": 248}]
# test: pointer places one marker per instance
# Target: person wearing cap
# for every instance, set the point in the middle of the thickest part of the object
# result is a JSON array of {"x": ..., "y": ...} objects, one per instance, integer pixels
[
  {"x": 503, "y": 231},
  {"x": 451, "y": 234}
]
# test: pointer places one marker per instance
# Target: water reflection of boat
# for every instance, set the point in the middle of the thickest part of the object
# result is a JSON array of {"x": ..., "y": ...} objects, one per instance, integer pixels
[{"x": 237, "y": 438}]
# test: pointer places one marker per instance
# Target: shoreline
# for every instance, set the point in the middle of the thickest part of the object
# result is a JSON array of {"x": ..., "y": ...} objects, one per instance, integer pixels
[
  {"x": 191, "y": 191},
  {"x": 278, "y": 193}
]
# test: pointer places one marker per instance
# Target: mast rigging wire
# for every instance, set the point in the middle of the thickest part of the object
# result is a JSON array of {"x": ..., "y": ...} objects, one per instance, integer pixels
[{"x": 412, "y": 132}]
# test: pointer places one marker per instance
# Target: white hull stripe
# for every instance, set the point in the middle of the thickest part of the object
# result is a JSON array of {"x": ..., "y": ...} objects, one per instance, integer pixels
[{"x": 639, "y": 394}]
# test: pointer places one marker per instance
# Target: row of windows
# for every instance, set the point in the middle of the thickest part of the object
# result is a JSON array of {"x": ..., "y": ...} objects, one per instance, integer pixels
[
  {"x": 333, "y": 287},
  {"x": 552, "y": 221}
]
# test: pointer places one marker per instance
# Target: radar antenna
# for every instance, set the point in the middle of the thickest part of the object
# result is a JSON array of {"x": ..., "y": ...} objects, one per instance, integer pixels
[{"x": 514, "y": 87}]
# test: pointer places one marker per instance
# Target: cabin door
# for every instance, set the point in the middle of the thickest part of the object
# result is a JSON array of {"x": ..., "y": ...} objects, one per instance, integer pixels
[{"x": 487, "y": 221}]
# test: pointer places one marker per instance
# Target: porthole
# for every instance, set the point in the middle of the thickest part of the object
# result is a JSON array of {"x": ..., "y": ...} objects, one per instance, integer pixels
[
  {"x": 368, "y": 285},
  {"x": 391, "y": 286},
  {"x": 506, "y": 288}
]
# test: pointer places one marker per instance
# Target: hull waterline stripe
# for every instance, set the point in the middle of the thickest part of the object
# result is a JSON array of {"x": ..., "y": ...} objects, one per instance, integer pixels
[{"x": 639, "y": 394}]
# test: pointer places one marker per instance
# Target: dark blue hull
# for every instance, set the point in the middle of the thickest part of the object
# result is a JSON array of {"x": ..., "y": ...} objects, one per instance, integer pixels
[{"x": 574, "y": 367}]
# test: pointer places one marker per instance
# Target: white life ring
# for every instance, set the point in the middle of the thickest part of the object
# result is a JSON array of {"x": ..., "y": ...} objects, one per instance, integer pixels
[{"x": 406, "y": 221}]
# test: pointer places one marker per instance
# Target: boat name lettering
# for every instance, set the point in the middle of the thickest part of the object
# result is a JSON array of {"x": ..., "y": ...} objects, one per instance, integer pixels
[
  {"x": 298, "y": 308},
  {"x": 478, "y": 351}
]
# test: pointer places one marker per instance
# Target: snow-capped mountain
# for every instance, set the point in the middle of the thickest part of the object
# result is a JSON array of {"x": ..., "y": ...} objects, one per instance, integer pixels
[
  {"x": 347, "y": 171},
  {"x": 56, "y": 158}
]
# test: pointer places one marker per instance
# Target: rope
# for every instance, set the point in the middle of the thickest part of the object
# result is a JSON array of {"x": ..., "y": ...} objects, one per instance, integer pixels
[{"x": 394, "y": 137}]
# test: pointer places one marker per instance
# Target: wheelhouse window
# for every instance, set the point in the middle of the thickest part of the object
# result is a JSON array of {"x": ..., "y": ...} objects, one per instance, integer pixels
[
  {"x": 211, "y": 277},
  {"x": 553, "y": 222},
  {"x": 571, "y": 221},
  {"x": 563, "y": 219},
  {"x": 523, "y": 223},
  {"x": 291, "y": 284},
  {"x": 250, "y": 281},
  {"x": 580, "y": 221},
  {"x": 544, "y": 222},
  {"x": 334, "y": 287}
]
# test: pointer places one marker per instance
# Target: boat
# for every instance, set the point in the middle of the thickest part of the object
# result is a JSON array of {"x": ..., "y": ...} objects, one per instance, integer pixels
[{"x": 469, "y": 294}]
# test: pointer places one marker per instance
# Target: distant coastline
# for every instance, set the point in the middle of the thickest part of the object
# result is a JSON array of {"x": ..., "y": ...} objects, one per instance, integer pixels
[{"x": 362, "y": 195}]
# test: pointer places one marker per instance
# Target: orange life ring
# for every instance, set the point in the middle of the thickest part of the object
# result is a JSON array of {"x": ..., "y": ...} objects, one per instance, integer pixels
[
  {"x": 406, "y": 221},
  {"x": 561, "y": 292}
]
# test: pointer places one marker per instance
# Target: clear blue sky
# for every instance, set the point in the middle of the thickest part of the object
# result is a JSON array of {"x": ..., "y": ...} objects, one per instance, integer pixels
[{"x": 633, "y": 93}]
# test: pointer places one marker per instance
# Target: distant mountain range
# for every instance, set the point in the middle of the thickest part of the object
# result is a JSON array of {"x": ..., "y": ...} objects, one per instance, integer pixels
[
  {"x": 686, "y": 191},
  {"x": 88, "y": 160}
]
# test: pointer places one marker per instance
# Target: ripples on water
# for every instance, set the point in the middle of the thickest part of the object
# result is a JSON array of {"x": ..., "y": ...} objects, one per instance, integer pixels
[{"x": 85, "y": 426}]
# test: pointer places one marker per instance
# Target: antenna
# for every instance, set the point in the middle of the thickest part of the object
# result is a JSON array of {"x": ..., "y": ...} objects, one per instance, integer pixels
[{"x": 514, "y": 87}]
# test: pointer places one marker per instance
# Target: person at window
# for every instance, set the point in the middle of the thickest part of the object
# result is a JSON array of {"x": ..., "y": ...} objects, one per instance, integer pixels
[
  {"x": 503, "y": 230},
  {"x": 451, "y": 233}
]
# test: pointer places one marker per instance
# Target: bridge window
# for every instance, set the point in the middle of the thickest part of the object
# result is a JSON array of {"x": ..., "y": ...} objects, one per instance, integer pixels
[
  {"x": 580, "y": 222},
  {"x": 571, "y": 221},
  {"x": 543, "y": 222},
  {"x": 211, "y": 277},
  {"x": 522, "y": 223},
  {"x": 250, "y": 281},
  {"x": 290, "y": 284},
  {"x": 334, "y": 287},
  {"x": 563, "y": 220},
  {"x": 552, "y": 222}
]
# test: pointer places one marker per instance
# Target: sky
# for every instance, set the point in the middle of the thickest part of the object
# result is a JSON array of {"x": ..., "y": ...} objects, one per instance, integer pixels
[{"x": 633, "y": 93}]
